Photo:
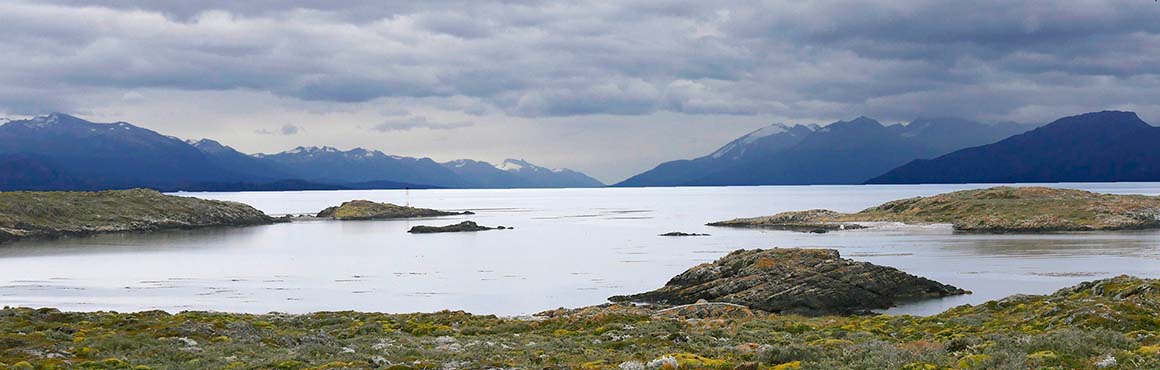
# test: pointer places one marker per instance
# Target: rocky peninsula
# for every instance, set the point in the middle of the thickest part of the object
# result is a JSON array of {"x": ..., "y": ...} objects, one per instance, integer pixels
[
  {"x": 465, "y": 226},
  {"x": 368, "y": 210},
  {"x": 993, "y": 210},
  {"x": 59, "y": 214},
  {"x": 793, "y": 280}
]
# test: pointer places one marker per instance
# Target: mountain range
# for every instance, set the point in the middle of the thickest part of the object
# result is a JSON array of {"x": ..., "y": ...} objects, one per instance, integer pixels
[
  {"x": 1092, "y": 147},
  {"x": 62, "y": 152},
  {"x": 843, "y": 152}
]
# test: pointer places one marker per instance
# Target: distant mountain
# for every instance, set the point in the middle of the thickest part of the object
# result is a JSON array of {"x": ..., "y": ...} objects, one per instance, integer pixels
[
  {"x": 21, "y": 171},
  {"x": 108, "y": 155},
  {"x": 760, "y": 143},
  {"x": 328, "y": 164},
  {"x": 844, "y": 152},
  {"x": 62, "y": 152},
  {"x": 1101, "y": 146},
  {"x": 231, "y": 160},
  {"x": 542, "y": 177},
  {"x": 513, "y": 173},
  {"x": 947, "y": 134}
]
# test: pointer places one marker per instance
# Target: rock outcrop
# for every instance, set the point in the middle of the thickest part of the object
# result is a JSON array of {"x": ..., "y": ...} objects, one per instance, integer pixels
[
  {"x": 993, "y": 210},
  {"x": 57, "y": 214},
  {"x": 465, "y": 226},
  {"x": 368, "y": 210},
  {"x": 792, "y": 280},
  {"x": 678, "y": 233}
]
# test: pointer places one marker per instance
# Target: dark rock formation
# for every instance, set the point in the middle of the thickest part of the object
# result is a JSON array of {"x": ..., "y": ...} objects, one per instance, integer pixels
[
  {"x": 803, "y": 281},
  {"x": 459, "y": 227},
  {"x": 368, "y": 210},
  {"x": 678, "y": 233},
  {"x": 57, "y": 214}
]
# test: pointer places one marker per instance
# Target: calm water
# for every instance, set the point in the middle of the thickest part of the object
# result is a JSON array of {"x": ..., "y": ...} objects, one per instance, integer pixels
[{"x": 571, "y": 247}]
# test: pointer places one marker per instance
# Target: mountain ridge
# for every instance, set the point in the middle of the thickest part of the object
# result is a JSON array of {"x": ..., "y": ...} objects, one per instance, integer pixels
[
  {"x": 843, "y": 152},
  {"x": 1090, "y": 147},
  {"x": 63, "y": 152}
]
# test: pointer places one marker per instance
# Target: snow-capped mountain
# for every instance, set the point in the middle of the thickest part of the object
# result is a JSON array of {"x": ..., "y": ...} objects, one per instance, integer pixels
[
  {"x": 62, "y": 152},
  {"x": 362, "y": 165},
  {"x": 843, "y": 152},
  {"x": 757, "y": 144},
  {"x": 512, "y": 173},
  {"x": 107, "y": 155}
]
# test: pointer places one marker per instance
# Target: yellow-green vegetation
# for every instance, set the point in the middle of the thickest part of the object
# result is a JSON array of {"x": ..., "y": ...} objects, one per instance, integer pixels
[
  {"x": 1103, "y": 324},
  {"x": 368, "y": 210},
  {"x": 26, "y": 214},
  {"x": 997, "y": 209}
]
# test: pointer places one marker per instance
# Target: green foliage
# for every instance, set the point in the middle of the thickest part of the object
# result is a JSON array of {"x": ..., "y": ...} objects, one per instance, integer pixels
[{"x": 1075, "y": 328}]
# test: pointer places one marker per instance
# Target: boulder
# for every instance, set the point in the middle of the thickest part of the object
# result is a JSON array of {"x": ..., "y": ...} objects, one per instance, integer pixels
[{"x": 793, "y": 280}]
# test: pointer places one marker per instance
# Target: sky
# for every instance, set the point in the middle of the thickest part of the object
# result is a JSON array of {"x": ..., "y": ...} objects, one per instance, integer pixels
[{"x": 607, "y": 88}]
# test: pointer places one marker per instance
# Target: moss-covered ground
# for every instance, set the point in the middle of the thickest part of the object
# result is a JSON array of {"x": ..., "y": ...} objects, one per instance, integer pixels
[
  {"x": 997, "y": 209},
  {"x": 1111, "y": 323}
]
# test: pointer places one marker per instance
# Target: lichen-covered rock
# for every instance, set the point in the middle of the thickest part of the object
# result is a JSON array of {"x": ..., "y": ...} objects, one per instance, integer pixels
[
  {"x": 814, "y": 220},
  {"x": 1001, "y": 209},
  {"x": 368, "y": 210},
  {"x": 792, "y": 280},
  {"x": 26, "y": 214},
  {"x": 465, "y": 226}
]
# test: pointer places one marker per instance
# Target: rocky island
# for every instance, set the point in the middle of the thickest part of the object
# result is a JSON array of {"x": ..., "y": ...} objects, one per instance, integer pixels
[
  {"x": 58, "y": 214},
  {"x": 993, "y": 210},
  {"x": 793, "y": 280},
  {"x": 465, "y": 226},
  {"x": 368, "y": 210}
]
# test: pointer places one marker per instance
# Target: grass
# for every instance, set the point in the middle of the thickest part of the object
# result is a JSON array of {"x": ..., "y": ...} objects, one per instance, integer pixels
[
  {"x": 368, "y": 210},
  {"x": 997, "y": 209},
  {"x": 52, "y": 214},
  {"x": 1102, "y": 322}
]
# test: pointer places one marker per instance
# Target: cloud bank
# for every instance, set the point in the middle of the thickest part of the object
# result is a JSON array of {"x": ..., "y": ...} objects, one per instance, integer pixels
[{"x": 505, "y": 61}]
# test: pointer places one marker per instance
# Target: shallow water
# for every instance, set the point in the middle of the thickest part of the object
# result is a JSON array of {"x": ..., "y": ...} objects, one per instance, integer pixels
[{"x": 571, "y": 247}]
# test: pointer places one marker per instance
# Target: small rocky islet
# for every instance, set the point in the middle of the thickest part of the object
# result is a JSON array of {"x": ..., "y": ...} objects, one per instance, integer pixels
[
  {"x": 46, "y": 215},
  {"x": 794, "y": 280},
  {"x": 1001, "y": 209},
  {"x": 370, "y": 210},
  {"x": 465, "y": 226},
  {"x": 681, "y": 233}
]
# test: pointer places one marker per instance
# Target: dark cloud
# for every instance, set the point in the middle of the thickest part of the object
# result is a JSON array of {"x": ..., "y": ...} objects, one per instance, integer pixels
[{"x": 538, "y": 59}]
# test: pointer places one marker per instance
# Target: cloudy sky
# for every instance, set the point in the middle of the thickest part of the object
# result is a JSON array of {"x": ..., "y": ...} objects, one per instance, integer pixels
[{"x": 609, "y": 89}]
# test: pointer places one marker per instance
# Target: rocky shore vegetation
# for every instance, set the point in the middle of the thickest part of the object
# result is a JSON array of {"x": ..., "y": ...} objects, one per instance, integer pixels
[
  {"x": 368, "y": 210},
  {"x": 1102, "y": 324},
  {"x": 38, "y": 215},
  {"x": 994, "y": 210}
]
